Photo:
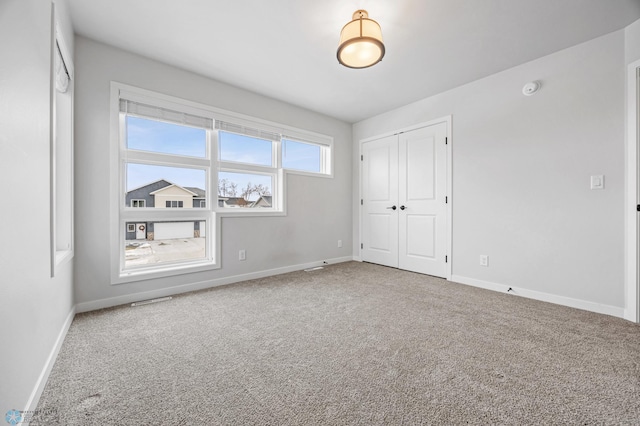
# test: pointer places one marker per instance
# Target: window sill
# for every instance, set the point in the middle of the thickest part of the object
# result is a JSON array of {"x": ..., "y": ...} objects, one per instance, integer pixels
[
  {"x": 129, "y": 276},
  {"x": 249, "y": 213},
  {"x": 63, "y": 256}
]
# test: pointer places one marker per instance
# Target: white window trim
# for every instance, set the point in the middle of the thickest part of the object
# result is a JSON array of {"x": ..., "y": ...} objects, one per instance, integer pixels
[
  {"x": 144, "y": 202},
  {"x": 326, "y": 157},
  {"x": 120, "y": 214},
  {"x": 60, "y": 257}
]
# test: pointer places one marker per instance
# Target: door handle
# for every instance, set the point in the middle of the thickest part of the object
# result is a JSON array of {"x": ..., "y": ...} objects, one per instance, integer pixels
[
  {"x": 403, "y": 207},
  {"x": 392, "y": 207}
]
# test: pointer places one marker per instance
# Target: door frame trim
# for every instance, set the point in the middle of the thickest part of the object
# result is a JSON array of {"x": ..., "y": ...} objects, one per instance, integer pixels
[
  {"x": 632, "y": 197},
  {"x": 449, "y": 193}
]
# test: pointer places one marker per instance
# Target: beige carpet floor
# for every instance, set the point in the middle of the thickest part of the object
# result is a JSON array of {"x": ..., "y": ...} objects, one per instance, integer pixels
[{"x": 353, "y": 343}]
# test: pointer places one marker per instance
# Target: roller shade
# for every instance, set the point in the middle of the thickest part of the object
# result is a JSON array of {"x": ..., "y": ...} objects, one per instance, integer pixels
[
  {"x": 163, "y": 114},
  {"x": 246, "y": 131}
]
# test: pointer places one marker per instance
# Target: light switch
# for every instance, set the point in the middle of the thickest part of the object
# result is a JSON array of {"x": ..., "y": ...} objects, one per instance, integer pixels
[{"x": 597, "y": 182}]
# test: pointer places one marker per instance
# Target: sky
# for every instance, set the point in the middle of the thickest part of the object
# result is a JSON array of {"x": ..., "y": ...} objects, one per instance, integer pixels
[{"x": 157, "y": 136}]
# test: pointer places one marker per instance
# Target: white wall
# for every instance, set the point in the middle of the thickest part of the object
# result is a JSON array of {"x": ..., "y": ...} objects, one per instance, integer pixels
[
  {"x": 521, "y": 169},
  {"x": 632, "y": 42},
  {"x": 319, "y": 209},
  {"x": 632, "y": 59},
  {"x": 35, "y": 307}
]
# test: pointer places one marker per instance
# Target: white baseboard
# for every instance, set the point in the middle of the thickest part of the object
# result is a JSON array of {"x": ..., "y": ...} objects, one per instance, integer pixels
[
  {"x": 32, "y": 403},
  {"x": 544, "y": 297},
  {"x": 201, "y": 285},
  {"x": 630, "y": 314}
]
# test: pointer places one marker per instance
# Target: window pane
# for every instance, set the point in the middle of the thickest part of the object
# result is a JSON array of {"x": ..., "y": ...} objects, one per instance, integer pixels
[
  {"x": 244, "y": 190},
  {"x": 301, "y": 156},
  {"x": 152, "y": 243},
  {"x": 164, "y": 187},
  {"x": 245, "y": 149},
  {"x": 167, "y": 138}
]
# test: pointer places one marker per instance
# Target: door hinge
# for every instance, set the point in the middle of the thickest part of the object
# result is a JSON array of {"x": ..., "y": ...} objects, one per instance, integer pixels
[
  {"x": 362, "y": 158},
  {"x": 446, "y": 200},
  {"x": 446, "y": 259},
  {"x": 361, "y": 202},
  {"x": 446, "y": 140},
  {"x": 638, "y": 207},
  {"x": 361, "y": 245}
]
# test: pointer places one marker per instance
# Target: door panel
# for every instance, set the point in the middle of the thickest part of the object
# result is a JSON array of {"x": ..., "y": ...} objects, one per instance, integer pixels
[
  {"x": 420, "y": 172},
  {"x": 422, "y": 190},
  {"x": 381, "y": 225},
  {"x": 421, "y": 241},
  {"x": 378, "y": 171},
  {"x": 379, "y": 193}
]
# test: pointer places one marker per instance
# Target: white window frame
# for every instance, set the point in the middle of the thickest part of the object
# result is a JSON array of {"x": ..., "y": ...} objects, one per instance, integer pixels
[
  {"x": 120, "y": 214},
  {"x": 278, "y": 193},
  {"x": 326, "y": 157},
  {"x": 61, "y": 160},
  {"x": 138, "y": 202},
  {"x": 274, "y": 171}
]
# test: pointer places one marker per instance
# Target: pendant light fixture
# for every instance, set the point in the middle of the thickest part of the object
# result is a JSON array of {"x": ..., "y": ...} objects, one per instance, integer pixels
[{"x": 360, "y": 42}]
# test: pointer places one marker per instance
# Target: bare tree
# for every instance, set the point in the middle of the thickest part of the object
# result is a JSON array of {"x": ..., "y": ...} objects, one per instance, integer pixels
[
  {"x": 233, "y": 189},
  {"x": 261, "y": 190},
  {"x": 247, "y": 191},
  {"x": 223, "y": 187}
]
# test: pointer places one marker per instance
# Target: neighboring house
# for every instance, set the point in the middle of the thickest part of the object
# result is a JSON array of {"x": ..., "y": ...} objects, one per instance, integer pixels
[
  {"x": 173, "y": 196},
  {"x": 163, "y": 194},
  {"x": 233, "y": 202},
  {"x": 263, "y": 201},
  {"x": 199, "y": 200}
]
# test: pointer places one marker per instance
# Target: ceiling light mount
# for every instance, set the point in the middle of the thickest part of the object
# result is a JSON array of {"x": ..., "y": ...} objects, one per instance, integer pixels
[
  {"x": 361, "y": 43},
  {"x": 531, "y": 88}
]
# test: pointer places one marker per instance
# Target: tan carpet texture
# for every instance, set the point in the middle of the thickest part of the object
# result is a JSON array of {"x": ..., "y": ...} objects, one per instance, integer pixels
[{"x": 353, "y": 343}]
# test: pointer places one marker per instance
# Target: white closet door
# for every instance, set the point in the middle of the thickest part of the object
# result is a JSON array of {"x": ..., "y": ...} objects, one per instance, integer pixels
[
  {"x": 422, "y": 206},
  {"x": 404, "y": 210},
  {"x": 380, "y": 201}
]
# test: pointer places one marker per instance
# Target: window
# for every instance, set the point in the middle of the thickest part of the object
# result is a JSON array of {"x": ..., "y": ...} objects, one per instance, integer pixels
[
  {"x": 61, "y": 166},
  {"x": 246, "y": 169},
  {"x": 251, "y": 162},
  {"x": 182, "y": 165},
  {"x": 165, "y": 164},
  {"x": 244, "y": 149},
  {"x": 302, "y": 156}
]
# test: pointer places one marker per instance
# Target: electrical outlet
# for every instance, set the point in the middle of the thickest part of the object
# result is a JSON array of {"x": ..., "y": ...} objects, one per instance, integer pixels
[
  {"x": 339, "y": 243},
  {"x": 484, "y": 260},
  {"x": 242, "y": 255}
]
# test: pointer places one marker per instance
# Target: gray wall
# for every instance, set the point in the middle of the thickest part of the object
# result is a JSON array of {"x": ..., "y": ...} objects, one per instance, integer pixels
[
  {"x": 521, "y": 170},
  {"x": 632, "y": 42},
  {"x": 34, "y": 305},
  {"x": 318, "y": 209}
]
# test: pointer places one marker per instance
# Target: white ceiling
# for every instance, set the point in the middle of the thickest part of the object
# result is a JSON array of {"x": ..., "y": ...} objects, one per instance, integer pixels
[{"x": 286, "y": 49}]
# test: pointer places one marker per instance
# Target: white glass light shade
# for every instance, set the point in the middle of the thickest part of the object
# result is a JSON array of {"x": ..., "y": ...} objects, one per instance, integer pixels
[{"x": 360, "y": 42}]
